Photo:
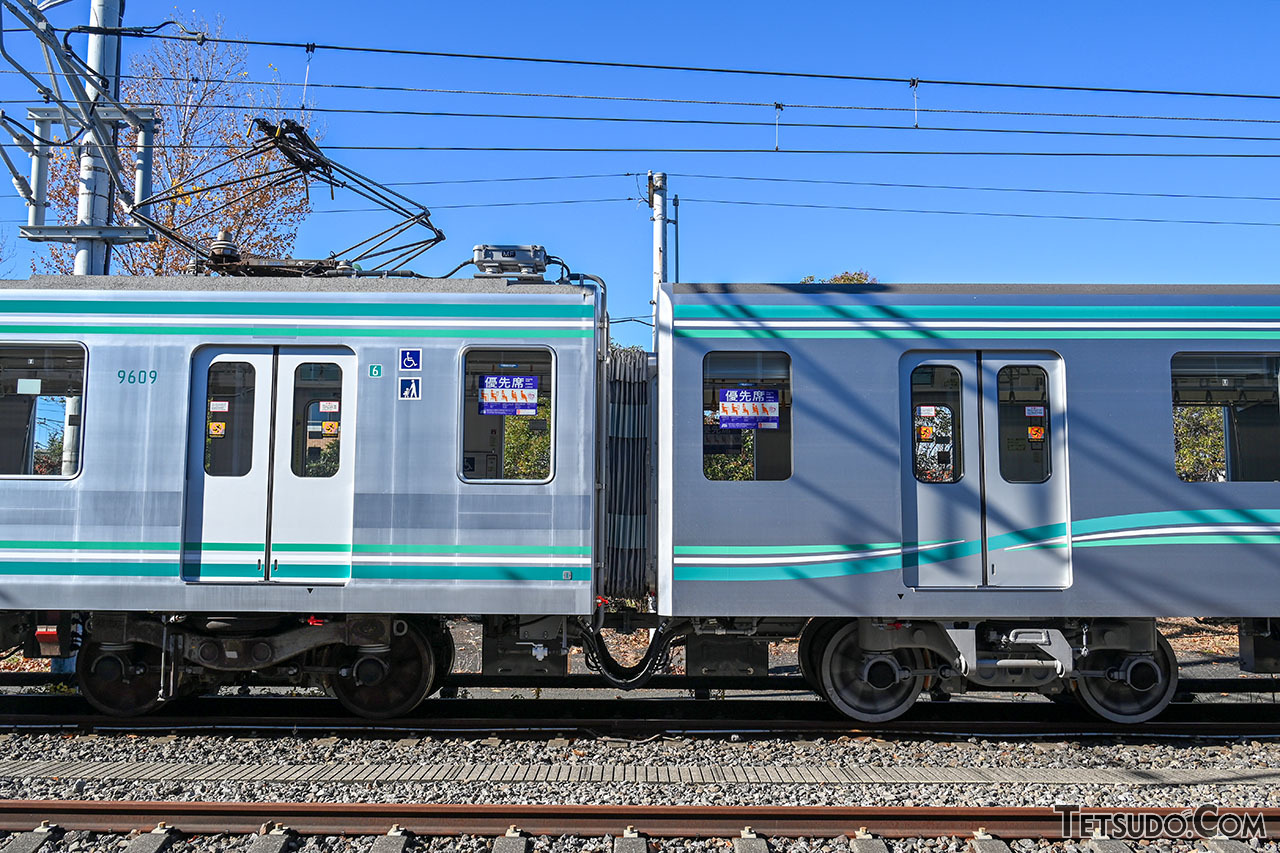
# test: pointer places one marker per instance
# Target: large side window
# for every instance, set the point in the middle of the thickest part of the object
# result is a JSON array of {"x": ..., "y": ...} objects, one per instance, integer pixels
[
  {"x": 1023, "y": 423},
  {"x": 746, "y": 416},
  {"x": 507, "y": 422},
  {"x": 228, "y": 441},
  {"x": 317, "y": 419},
  {"x": 41, "y": 392},
  {"x": 1226, "y": 416},
  {"x": 935, "y": 423}
]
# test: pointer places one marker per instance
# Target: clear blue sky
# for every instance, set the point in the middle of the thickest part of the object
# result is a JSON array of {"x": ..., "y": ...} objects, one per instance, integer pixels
[{"x": 1225, "y": 47}]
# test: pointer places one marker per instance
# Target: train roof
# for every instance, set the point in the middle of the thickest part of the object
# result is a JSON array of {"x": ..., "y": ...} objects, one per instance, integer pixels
[
  {"x": 266, "y": 284},
  {"x": 967, "y": 290}
]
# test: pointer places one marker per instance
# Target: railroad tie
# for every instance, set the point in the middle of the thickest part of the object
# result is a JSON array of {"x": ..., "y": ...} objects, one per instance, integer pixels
[
  {"x": 155, "y": 841},
  {"x": 277, "y": 839},
  {"x": 863, "y": 842},
  {"x": 1111, "y": 845},
  {"x": 395, "y": 841},
  {"x": 749, "y": 842},
  {"x": 514, "y": 841},
  {"x": 630, "y": 842},
  {"x": 30, "y": 842}
]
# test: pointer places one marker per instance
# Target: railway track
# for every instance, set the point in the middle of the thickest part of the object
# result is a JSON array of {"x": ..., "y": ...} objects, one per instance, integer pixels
[
  {"x": 658, "y": 821},
  {"x": 632, "y": 718}
]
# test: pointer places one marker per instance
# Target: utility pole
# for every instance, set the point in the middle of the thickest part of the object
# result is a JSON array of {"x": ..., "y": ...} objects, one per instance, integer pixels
[
  {"x": 675, "y": 248},
  {"x": 658, "y": 203},
  {"x": 93, "y": 207}
]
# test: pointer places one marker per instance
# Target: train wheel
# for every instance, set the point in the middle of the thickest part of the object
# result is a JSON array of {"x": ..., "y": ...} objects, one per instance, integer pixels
[
  {"x": 379, "y": 682},
  {"x": 120, "y": 679},
  {"x": 813, "y": 641},
  {"x": 869, "y": 686},
  {"x": 1145, "y": 692}
]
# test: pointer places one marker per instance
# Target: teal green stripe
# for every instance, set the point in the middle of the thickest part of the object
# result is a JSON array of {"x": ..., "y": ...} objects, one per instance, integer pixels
[
  {"x": 97, "y": 569},
  {"x": 981, "y": 334},
  {"x": 783, "y": 573},
  {"x": 225, "y": 546},
  {"x": 970, "y": 312},
  {"x": 495, "y": 310},
  {"x": 782, "y": 550},
  {"x": 287, "y": 546},
  {"x": 470, "y": 573},
  {"x": 1108, "y": 523},
  {"x": 295, "y": 331},
  {"x": 333, "y": 571},
  {"x": 33, "y": 544},
  {"x": 242, "y": 571},
  {"x": 1027, "y": 536},
  {"x": 492, "y": 550},
  {"x": 1186, "y": 539}
]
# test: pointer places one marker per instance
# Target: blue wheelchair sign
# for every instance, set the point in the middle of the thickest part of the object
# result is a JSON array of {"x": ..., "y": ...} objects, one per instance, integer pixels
[{"x": 411, "y": 359}]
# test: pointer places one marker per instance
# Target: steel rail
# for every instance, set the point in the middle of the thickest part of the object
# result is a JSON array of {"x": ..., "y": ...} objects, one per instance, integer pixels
[
  {"x": 636, "y": 717},
  {"x": 661, "y": 821}
]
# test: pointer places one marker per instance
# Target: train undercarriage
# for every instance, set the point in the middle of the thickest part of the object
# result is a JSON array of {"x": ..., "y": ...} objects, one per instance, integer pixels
[{"x": 383, "y": 666}]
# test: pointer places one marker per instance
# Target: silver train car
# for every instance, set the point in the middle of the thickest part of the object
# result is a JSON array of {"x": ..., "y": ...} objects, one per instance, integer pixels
[{"x": 936, "y": 487}]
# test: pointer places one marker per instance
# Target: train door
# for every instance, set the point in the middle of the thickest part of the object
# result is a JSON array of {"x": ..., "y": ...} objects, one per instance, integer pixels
[
  {"x": 270, "y": 473},
  {"x": 985, "y": 476}
]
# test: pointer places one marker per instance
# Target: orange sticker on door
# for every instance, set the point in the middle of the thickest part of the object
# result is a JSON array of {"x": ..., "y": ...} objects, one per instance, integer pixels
[
  {"x": 1035, "y": 433},
  {"x": 329, "y": 427},
  {"x": 217, "y": 429}
]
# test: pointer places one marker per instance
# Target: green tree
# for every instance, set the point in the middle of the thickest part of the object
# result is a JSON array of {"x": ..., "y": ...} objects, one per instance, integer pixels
[
  {"x": 326, "y": 465},
  {"x": 1199, "y": 443},
  {"x": 48, "y": 458},
  {"x": 846, "y": 277},
  {"x": 526, "y": 451}
]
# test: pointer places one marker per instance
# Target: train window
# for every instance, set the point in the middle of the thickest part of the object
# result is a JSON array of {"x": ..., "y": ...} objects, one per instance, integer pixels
[
  {"x": 41, "y": 392},
  {"x": 1226, "y": 417},
  {"x": 746, "y": 416},
  {"x": 228, "y": 434},
  {"x": 1023, "y": 398},
  {"x": 317, "y": 419},
  {"x": 935, "y": 423},
  {"x": 507, "y": 417}
]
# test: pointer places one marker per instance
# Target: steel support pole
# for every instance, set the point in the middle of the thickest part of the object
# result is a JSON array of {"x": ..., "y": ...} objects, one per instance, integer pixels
[
  {"x": 142, "y": 166},
  {"x": 675, "y": 248},
  {"x": 658, "y": 202},
  {"x": 40, "y": 174},
  {"x": 93, "y": 202}
]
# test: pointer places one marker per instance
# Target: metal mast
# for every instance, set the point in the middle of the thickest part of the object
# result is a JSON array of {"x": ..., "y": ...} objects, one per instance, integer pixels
[
  {"x": 95, "y": 186},
  {"x": 658, "y": 202}
]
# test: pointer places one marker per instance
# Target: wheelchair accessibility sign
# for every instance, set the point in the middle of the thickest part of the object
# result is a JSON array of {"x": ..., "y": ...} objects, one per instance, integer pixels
[
  {"x": 410, "y": 359},
  {"x": 410, "y": 388}
]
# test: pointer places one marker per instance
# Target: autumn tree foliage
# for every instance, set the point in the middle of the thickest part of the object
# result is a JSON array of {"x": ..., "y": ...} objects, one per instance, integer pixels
[
  {"x": 846, "y": 277},
  {"x": 204, "y": 102}
]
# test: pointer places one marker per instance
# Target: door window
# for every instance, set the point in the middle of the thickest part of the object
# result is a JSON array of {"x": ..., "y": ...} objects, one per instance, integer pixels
[
  {"x": 936, "y": 423},
  {"x": 317, "y": 419},
  {"x": 228, "y": 432},
  {"x": 1023, "y": 400}
]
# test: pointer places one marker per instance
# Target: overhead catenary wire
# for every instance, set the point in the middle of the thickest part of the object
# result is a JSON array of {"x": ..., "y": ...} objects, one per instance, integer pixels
[
  {"x": 370, "y": 87},
  {"x": 311, "y": 47},
  {"x": 1038, "y": 190},
  {"x": 1001, "y": 214},
  {"x": 1209, "y": 155},
  {"x": 401, "y": 113}
]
